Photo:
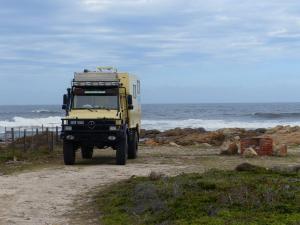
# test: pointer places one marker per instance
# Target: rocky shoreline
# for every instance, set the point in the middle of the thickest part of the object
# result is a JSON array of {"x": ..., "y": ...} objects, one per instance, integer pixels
[{"x": 286, "y": 135}]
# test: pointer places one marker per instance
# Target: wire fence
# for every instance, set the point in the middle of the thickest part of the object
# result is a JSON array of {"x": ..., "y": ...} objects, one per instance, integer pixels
[{"x": 29, "y": 137}]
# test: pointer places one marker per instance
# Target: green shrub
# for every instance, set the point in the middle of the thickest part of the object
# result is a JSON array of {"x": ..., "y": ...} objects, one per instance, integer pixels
[{"x": 216, "y": 197}]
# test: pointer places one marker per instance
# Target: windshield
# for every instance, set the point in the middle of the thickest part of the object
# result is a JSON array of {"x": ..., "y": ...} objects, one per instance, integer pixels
[{"x": 87, "y": 99}]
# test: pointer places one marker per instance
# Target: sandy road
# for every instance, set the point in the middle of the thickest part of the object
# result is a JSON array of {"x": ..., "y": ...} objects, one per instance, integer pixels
[{"x": 48, "y": 196}]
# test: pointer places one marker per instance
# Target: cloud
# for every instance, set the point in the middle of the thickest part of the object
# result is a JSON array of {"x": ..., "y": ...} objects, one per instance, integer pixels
[{"x": 147, "y": 32}]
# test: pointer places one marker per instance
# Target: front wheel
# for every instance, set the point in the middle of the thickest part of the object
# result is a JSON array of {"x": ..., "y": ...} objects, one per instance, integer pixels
[
  {"x": 133, "y": 145},
  {"x": 122, "y": 151},
  {"x": 69, "y": 153}
]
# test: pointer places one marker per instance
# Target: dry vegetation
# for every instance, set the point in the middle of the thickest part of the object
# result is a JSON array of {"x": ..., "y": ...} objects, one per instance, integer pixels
[
  {"x": 253, "y": 196},
  {"x": 14, "y": 157}
]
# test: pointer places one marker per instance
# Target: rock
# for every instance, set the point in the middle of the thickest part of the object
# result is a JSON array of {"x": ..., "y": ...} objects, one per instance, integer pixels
[
  {"x": 281, "y": 150},
  {"x": 149, "y": 133},
  {"x": 232, "y": 149},
  {"x": 174, "y": 144},
  {"x": 182, "y": 132},
  {"x": 204, "y": 145},
  {"x": 261, "y": 130},
  {"x": 151, "y": 142},
  {"x": 237, "y": 138},
  {"x": 225, "y": 145},
  {"x": 201, "y": 130},
  {"x": 249, "y": 167},
  {"x": 250, "y": 153},
  {"x": 155, "y": 175}
]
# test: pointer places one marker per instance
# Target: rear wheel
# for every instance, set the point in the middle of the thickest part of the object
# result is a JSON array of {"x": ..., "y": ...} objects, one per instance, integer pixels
[
  {"x": 87, "y": 152},
  {"x": 122, "y": 151},
  {"x": 69, "y": 153},
  {"x": 133, "y": 145}
]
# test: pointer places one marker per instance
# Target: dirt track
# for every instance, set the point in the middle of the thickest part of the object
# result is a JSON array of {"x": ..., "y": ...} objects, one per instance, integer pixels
[{"x": 47, "y": 196}]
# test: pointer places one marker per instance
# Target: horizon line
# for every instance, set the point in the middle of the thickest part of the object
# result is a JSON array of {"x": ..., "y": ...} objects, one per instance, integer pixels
[{"x": 172, "y": 103}]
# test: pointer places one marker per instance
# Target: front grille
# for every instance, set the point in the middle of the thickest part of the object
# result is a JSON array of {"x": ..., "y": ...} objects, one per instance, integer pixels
[{"x": 90, "y": 125}]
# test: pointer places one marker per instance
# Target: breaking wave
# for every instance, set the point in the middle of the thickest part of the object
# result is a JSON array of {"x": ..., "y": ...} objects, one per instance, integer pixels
[
  {"x": 155, "y": 124},
  {"x": 210, "y": 124},
  {"x": 28, "y": 122}
]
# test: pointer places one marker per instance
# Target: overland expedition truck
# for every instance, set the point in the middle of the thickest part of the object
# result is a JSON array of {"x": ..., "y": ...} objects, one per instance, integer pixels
[{"x": 103, "y": 110}]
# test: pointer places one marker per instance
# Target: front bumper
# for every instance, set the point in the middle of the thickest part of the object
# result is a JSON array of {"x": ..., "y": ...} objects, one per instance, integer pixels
[{"x": 97, "y": 133}]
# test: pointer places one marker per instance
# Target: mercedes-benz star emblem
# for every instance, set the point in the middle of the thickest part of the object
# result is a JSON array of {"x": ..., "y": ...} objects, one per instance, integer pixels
[{"x": 91, "y": 124}]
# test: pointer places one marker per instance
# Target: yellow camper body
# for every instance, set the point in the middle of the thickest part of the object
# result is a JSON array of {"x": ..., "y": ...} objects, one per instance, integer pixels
[{"x": 103, "y": 109}]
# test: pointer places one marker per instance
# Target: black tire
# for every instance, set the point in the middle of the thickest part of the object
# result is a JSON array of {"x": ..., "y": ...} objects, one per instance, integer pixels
[
  {"x": 69, "y": 153},
  {"x": 87, "y": 152},
  {"x": 133, "y": 145},
  {"x": 122, "y": 151}
]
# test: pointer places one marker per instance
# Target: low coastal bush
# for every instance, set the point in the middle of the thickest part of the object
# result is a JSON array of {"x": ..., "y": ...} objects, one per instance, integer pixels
[
  {"x": 216, "y": 197},
  {"x": 14, "y": 158}
]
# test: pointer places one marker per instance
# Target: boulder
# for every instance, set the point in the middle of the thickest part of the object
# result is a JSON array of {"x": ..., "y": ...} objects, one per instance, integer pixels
[
  {"x": 250, "y": 153},
  {"x": 237, "y": 138},
  {"x": 249, "y": 167},
  {"x": 232, "y": 149}
]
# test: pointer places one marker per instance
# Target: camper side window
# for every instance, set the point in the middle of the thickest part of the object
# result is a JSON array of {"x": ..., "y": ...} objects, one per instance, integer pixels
[
  {"x": 134, "y": 91},
  {"x": 138, "y": 87}
]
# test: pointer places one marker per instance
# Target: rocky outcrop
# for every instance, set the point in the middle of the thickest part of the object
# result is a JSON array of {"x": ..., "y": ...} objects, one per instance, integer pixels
[{"x": 281, "y": 135}]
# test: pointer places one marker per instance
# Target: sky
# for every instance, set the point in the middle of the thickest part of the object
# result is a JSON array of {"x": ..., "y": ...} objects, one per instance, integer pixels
[{"x": 184, "y": 51}]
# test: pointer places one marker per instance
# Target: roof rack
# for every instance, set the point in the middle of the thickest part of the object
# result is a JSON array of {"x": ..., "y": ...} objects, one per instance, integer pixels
[{"x": 107, "y": 69}]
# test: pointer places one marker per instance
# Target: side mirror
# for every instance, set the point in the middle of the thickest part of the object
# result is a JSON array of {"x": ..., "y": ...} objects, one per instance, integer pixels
[
  {"x": 65, "y": 102},
  {"x": 65, "y": 99},
  {"x": 130, "y": 102}
]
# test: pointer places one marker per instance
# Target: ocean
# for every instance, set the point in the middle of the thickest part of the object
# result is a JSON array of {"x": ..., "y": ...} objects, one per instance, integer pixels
[{"x": 168, "y": 116}]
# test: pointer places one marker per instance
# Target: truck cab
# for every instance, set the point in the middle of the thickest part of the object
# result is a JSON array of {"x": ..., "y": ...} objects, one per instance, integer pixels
[{"x": 103, "y": 110}]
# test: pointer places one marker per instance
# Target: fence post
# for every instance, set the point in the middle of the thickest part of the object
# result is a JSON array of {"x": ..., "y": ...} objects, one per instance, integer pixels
[
  {"x": 24, "y": 140},
  {"x": 56, "y": 134},
  {"x": 52, "y": 141},
  {"x": 37, "y": 131},
  {"x": 12, "y": 137},
  {"x": 32, "y": 138},
  {"x": 47, "y": 134}
]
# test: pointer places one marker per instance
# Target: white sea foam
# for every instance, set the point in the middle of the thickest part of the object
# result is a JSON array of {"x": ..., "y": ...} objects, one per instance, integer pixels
[
  {"x": 154, "y": 124},
  {"x": 210, "y": 124},
  {"x": 28, "y": 122}
]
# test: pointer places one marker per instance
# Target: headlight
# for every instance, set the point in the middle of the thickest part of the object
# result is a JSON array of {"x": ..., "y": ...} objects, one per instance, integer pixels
[
  {"x": 80, "y": 122},
  {"x": 112, "y": 128},
  {"x": 72, "y": 122},
  {"x": 68, "y": 128}
]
